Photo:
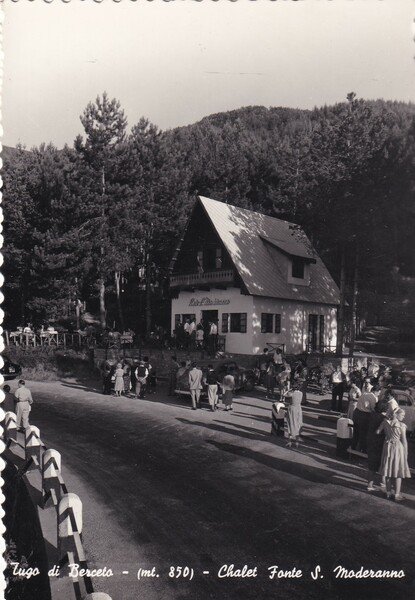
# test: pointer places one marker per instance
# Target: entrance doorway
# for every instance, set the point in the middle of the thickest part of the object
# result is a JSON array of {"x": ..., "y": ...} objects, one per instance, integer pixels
[{"x": 209, "y": 316}]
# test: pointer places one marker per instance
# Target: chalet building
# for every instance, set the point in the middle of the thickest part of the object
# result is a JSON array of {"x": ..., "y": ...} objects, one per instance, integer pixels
[{"x": 258, "y": 277}]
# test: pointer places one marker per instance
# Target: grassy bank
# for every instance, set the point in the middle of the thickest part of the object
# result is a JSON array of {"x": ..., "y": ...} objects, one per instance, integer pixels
[{"x": 49, "y": 364}]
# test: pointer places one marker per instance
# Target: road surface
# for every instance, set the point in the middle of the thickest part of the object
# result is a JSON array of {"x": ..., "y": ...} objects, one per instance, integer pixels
[{"x": 164, "y": 486}]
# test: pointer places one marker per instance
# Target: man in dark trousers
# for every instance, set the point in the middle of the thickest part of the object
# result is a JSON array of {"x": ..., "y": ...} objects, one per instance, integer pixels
[{"x": 338, "y": 381}]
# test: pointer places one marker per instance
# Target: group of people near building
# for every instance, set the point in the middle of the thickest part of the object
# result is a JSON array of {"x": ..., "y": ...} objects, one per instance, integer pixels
[
  {"x": 197, "y": 380},
  {"x": 379, "y": 432},
  {"x": 189, "y": 335},
  {"x": 375, "y": 417},
  {"x": 128, "y": 378}
]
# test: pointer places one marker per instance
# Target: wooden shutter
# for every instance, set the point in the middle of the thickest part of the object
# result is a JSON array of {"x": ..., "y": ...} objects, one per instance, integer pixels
[
  {"x": 277, "y": 328},
  {"x": 225, "y": 319},
  {"x": 321, "y": 333},
  {"x": 243, "y": 322}
]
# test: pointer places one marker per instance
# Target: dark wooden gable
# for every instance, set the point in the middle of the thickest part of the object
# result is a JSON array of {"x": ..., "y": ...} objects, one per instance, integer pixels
[{"x": 200, "y": 237}]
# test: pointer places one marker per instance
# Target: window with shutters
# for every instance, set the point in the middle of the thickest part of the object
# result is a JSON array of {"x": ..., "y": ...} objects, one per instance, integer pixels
[
  {"x": 238, "y": 322},
  {"x": 277, "y": 328},
  {"x": 266, "y": 322},
  {"x": 225, "y": 321}
]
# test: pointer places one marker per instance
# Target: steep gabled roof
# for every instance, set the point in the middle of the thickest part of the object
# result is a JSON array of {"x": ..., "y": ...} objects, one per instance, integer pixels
[{"x": 257, "y": 243}]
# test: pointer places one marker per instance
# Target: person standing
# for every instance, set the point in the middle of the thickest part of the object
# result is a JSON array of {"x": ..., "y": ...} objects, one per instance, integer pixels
[
  {"x": 119, "y": 380},
  {"x": 394, "y": 464},
  {"x": 263, "y": 365},
  {"x": 141, "y": 375},
  {"x": 294, "y": 418},
  {"x": 354, "y": 395},
  {"x": 200, "y": 335},
  {"x": 192, "y": 334},
  {"x": 195, "y": 384},
  {"x": 270, "y": 379},
  {"x": 186, "y": 333},
  {"x": 149, "y": 384},
  {"x": 173, "y": 369},
  {"x": 24, "y": 403},
  {"x": 338, "y": 380},
  {"x": 211, "y": 382},
  {"x": 375, "y": 445},
  {"x": 213, "y": 337},
  {"x": 228, "y": 386},
  {"x": 127, "y": 378},
  {"x": 365, "y": 405}
]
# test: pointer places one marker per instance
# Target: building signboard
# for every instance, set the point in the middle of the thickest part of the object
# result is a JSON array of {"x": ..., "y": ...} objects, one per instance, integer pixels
[{"x": 209, "y": 301}]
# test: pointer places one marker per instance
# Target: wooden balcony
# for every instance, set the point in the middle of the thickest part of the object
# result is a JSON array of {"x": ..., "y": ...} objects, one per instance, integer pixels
[{"x": 209, "y": 278}]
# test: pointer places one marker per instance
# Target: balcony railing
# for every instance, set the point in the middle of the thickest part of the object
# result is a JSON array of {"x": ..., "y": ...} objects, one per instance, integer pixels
[{"x": 207, "y": 278}]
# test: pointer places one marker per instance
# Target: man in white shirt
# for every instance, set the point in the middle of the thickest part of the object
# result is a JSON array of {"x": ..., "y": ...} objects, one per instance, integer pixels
[
  {"x": 213, "y": 337},
  {"x": 338, "y": 380},
  {"x": 195, "y": 385},
  {"x": 24, "y": 402}
]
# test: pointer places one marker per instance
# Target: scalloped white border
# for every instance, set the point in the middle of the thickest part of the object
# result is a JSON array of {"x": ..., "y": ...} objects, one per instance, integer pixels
[{"x": 2, "y": 446}]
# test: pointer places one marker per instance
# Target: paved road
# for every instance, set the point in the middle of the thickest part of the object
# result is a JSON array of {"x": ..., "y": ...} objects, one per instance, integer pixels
[{"x": 163, "y": 485}]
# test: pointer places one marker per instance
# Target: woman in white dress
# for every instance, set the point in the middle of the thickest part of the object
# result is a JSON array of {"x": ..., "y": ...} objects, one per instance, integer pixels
[{"x": 394, "y": 464}]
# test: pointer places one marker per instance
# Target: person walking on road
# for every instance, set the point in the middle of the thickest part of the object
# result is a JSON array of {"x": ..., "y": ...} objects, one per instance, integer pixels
[
  {"x": 24, "y": 403},
  {"x": 119, "y": 380},
  {"x": 394, "y": 463},
  {"x": 195, "y": 384},
  {"x": 211, "y": 382},
  {"x": 294, "y": 418},
  {"x": 228, "y": 386}
]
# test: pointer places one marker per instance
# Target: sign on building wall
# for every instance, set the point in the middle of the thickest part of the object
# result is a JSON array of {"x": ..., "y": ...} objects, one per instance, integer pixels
[{"x": 209, "y": 302}]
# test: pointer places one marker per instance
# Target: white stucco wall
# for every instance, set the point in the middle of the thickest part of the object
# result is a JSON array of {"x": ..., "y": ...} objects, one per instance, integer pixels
[
  {"x": 294, "y": 319},
  {"x": 294, "y": 324},
  {"x": 236, "y": 302}
]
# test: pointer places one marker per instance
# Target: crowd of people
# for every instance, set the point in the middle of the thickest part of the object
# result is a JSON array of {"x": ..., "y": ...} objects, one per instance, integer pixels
[
  {"x": 373, "y": 413},
  {"x": 189, "y": 335},
  {"x": 129, "y": 378}
]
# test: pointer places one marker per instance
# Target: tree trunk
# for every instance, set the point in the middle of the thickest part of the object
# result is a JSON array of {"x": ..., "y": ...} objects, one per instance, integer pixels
[
  {"x": 101, "y": 281},
  {"x": 148, "y": 301},
  {"x": 102, "y": 310},
  {"x": 117, "y": 276},
  {"x": 78, "y": 305},
  {"x": 353, "y": 317},
  {"x": 340, "y": 316}
]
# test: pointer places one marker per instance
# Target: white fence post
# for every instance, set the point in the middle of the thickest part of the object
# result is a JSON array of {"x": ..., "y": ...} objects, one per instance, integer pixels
[
  {"x": 51, "y": 466},
  {"x": 10, "y": 426},
  {"x": 33, "y": 444},
  {"x": 69, "y": 520}
]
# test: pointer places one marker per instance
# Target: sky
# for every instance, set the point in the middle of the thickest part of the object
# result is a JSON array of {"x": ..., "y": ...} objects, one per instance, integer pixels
[{"x": 176, "y": 62}]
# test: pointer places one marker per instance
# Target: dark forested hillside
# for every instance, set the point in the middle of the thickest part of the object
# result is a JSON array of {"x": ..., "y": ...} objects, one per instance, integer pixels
[{"x": 98, "y": 222}]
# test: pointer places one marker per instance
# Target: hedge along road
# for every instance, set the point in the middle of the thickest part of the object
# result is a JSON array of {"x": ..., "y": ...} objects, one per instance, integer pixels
[{"x": 165, "y": 486}]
